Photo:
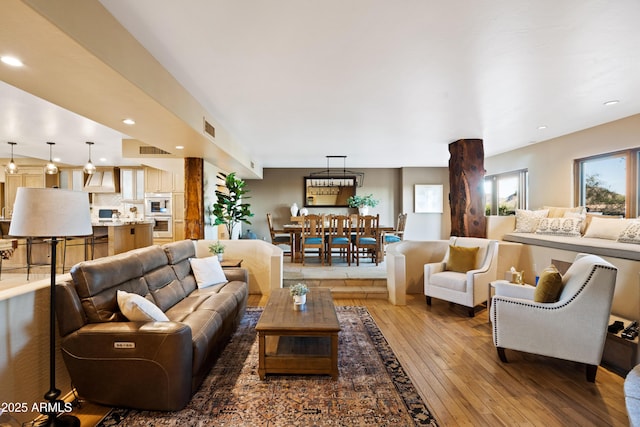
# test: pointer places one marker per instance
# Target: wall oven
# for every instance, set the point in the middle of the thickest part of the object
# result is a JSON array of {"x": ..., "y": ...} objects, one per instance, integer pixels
[
  {"x": 157, "y": 204},
  {"x": 162, "y": 227}
]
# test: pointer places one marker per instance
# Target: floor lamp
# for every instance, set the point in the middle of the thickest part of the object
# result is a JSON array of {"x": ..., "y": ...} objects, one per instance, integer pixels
[{"x": 51, "y": 213}]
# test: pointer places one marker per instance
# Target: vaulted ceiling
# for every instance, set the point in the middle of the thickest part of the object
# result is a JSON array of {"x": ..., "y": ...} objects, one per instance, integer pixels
[{"x": 287, "y": 82}]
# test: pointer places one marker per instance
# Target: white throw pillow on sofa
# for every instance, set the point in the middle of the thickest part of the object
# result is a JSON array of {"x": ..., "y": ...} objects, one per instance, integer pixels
[
  {"x": 560, "y": 226},
  {"x": 207, "y": 271},
  {"x": 631, "y": 234},
  {"x": 606, "y": 228},
  {"x": 137, "y": 308},
  {"x": 527, "y": 221}
]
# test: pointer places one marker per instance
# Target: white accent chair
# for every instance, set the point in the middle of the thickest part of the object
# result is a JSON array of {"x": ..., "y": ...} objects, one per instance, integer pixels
[
  {"x": 468, "y": 289},
  {"x": 632, "y": 396},
  {"x": 573, "y": 328}
]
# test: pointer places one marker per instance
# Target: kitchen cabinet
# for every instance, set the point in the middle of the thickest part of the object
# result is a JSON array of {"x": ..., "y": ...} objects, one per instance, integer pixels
[
  {"x": 28, "y": 177},
  {"x": 178, "y": 182},
  {"x": 158, "y": 181},
  {"x": 72, "y": 179},
  {"x": 178, "y": 216},
  {"x": 132, "y": 184}
]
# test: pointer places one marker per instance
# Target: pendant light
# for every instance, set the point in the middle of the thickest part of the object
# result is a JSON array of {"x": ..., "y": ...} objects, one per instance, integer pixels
[
  {"x": 11, "y": 168},
  {"x": 51, "y": 168},
  {"x": 89, "y": 168}
]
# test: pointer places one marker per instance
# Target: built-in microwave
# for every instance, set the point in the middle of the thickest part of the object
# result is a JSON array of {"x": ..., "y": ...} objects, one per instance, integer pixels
[
  {"x": 162, "y": 227},
  {"x": 157, "y": 204}
]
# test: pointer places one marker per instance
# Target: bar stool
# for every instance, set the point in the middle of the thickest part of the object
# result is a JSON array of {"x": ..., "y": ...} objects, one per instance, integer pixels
[
  {"x": 66, "y": 240},
  {"x": 30, "y": 241}
]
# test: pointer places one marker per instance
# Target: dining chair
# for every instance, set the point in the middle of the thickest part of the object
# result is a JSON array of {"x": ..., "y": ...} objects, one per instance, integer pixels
[
  {"x": 312, "y": 236},
  {"x": 397, "y": 234},
  {"x": 367, "y": 239},
  {"x": 280, "y": 237},
  {"x": 339, "y": 236}
]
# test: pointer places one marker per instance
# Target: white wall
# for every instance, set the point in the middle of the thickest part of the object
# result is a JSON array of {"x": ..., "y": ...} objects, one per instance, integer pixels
[
  {"x": 425, "y": 226},
  {"x": 550, "y": 163},
  {"x": 24, "y": 347}
]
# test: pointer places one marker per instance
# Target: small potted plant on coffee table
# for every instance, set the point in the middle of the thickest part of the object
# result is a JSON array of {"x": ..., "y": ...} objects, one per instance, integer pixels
[
  {"x": 299, "y": 293},
  {"x": 217, "y": 248}
]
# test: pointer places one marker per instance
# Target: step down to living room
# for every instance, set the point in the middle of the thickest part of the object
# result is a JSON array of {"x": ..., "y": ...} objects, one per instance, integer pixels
[{"x": 365, "y": 281}]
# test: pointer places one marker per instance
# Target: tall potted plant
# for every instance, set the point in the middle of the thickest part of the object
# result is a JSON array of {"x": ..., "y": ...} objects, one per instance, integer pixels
[
  {"x": 362, "y": 203},
  {"x": 230, "y": 208}
]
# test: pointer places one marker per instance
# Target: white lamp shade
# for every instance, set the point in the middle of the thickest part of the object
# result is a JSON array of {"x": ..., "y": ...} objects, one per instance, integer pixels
[{"x": 50, "y": 212}]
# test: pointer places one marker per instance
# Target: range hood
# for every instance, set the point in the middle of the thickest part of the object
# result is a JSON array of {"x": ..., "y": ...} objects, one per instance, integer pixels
[{"x": 103, "y": 180}]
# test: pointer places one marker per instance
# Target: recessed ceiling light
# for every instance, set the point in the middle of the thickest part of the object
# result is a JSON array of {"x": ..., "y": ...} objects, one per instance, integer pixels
[
  {"x": 543, "y": 127},
  {"x": 129, "y": 122},
  {"x": 179, "y": 147},
  {"x": 11, "y": 60},
  {"x": 103, "y": 159},
  {"x": 612, "y": 102}
]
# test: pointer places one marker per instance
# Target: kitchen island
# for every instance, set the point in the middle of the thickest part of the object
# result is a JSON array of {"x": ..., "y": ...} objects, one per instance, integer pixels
[
  {"x": 108, "y": 238},
  {"x": 115, "y": 237}
]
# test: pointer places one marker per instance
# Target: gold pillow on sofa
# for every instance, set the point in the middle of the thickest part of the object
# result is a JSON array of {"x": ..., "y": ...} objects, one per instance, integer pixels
[
  {"x": 549, "y": 285},
  {"x": 461, "y": 259}
]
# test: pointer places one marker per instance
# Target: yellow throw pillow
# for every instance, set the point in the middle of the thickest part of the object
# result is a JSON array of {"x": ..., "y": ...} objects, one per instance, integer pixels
[
  {"x": 549, "y": 285},
  {"x": 461, "y": 259}
]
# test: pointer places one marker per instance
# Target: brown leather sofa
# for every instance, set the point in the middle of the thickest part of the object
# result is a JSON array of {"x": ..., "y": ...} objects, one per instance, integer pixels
[{"x": 145, "y": 365}]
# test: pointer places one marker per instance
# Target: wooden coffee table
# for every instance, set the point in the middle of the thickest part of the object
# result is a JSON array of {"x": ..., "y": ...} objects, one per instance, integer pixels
[{"x": 298, "y": 341}]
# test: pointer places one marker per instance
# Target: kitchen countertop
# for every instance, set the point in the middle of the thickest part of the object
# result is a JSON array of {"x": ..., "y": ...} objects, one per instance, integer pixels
[{"x": 119, "y": 223}]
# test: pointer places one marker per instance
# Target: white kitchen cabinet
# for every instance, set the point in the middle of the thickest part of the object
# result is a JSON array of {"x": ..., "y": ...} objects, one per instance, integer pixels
[
  {"x": 132, "y": 184},
  {"x": 71, "y": 179}
]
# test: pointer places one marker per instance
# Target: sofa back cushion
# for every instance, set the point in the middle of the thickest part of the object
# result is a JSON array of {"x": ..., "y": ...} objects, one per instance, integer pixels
[
  {"x": 98, "y": 280},
  {"x": 160, "y": 278},
  {"x": 178, "y": 254}
]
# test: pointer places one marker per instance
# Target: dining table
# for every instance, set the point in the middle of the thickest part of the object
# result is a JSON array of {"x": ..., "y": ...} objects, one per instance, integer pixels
[{"x": 295, "y": 229}]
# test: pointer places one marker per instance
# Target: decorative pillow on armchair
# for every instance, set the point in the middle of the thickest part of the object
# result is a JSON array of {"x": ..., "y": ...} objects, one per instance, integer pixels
[
  {"x": 527, "y": 221},
  {"x": 549, "y": 285},
  {"x": 461, "y": 259}
]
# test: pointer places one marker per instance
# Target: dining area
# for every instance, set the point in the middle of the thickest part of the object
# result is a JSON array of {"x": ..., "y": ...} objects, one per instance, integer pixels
[{"x": 322, "y": 239}]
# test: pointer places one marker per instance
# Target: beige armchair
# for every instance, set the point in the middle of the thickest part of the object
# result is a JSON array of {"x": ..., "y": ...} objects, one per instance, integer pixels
[
  {"x": 468, "y": 288},
  {"x": 573, "y": 328}
]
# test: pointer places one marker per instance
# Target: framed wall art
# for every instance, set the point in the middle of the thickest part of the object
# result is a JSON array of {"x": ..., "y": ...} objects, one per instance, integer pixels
[{"x": 428, "y": 198}]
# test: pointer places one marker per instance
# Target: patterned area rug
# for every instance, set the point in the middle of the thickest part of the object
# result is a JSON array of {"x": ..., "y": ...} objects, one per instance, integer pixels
[{"x": 372, "y": 389}]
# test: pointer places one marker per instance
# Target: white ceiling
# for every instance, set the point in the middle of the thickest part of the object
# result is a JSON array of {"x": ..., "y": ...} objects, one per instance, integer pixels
[{"x": 388, "y": 84}]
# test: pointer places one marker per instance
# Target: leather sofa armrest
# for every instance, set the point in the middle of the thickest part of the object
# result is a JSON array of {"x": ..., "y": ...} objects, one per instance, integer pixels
[
  {"x": 138, "y": 339},
  {"x": 237, "y": 274},
  {"x": 119, "y": 363}
]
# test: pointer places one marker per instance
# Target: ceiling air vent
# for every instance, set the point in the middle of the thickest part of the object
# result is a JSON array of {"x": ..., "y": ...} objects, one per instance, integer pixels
[
  {"x": 209, "y": 129},
  {"x": 151, "y": 150}
]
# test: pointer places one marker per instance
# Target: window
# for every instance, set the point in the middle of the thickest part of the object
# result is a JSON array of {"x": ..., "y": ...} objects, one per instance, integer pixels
[
  {"x": 608, "y": 183},
  {"x": 506, "y": 192}
]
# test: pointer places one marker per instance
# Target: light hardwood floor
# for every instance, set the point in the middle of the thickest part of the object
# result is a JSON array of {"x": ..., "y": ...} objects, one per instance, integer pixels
[{"x": 452, "y": 362}]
